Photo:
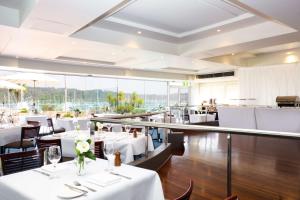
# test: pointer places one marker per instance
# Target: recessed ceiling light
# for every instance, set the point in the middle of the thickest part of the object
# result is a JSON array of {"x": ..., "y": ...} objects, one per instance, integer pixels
[
  {"x": 291, "y": 59},
  {"x": 289, "y": 53},
  {"x": 233, "y": 54},
  {"x": 218, "y": 30},
  {"x": 139, "y": 32}
]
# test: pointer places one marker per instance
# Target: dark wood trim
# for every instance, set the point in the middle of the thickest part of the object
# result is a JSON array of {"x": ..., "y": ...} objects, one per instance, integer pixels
[{"x": 156, "y": 159}]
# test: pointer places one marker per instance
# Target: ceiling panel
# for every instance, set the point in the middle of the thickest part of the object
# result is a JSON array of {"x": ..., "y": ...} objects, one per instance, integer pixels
[
  {"x": 178, "y": 15},
  {"x": 15, "y": 4}
]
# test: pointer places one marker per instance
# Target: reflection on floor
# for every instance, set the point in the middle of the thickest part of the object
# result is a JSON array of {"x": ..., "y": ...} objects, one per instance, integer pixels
[{"x": 263, "y": 168}]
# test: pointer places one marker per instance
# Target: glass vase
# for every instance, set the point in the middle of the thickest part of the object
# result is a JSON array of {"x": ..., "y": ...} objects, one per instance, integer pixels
[{"x": 81, "y": 166}]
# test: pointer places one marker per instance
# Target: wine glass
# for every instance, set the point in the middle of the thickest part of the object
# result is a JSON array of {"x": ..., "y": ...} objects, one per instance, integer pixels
[
  {"x": 108, "y": 127},
  {"x": 108, "y": 151},
  {"x": 88, "y": 124},
  {"x": 54, "y": 154},
  {"x": 127, "y": 128}
]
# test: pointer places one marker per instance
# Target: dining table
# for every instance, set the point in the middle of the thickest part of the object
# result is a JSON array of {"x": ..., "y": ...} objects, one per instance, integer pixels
[
  {"x": 124, "y": 142},
  {"x": 125, "y": 182},
  {"x": 68, "y": 123},
  {"x": 9, "y": 133}
]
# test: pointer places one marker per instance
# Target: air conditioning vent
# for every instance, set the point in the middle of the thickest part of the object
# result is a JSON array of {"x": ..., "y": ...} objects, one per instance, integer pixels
[{"x": 215, "y": 75}]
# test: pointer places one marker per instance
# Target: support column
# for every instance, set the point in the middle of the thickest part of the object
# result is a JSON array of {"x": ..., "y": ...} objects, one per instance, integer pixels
[{"x": 229, "y": 146}]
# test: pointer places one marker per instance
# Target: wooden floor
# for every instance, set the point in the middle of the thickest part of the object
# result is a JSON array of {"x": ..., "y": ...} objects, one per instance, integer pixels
[{"x": 263, "y": 168}]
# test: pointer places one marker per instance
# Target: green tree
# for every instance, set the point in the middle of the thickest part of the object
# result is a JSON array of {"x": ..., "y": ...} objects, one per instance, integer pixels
[
  {"x": 121, "y": 97},
  {"x": 111, "y": 99}
]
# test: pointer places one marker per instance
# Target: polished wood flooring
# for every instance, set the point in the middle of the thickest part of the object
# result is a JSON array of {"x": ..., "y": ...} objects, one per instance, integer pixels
[{"x": 263, "y": 168}]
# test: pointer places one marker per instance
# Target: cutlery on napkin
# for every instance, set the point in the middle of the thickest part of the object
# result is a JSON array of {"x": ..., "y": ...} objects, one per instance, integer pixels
[
  {"x": 117, "y": 174},
  {"x": 103, "y": 179},
  {"x": 75, "y": 188}
]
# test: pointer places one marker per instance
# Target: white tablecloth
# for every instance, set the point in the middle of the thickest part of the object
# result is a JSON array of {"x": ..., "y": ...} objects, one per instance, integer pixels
[
  {"x": 118, "y": 127},
  {"x": 126, "y": 144},
  {"x": 40, "y": 118},
  {"x": 30, "y": 185},
  {"x": 198, "y": 118},
  {"x": 68, "y": 123},
  {"x": 8, "y": 135}
]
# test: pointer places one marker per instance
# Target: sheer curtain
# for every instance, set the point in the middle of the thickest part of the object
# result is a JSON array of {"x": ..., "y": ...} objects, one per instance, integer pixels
[{"x": 264, "y": 83}]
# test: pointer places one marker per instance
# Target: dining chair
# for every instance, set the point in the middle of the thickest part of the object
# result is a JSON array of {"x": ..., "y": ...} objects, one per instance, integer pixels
[
  {"x": 233, "y": 197},
  {"x": 34, "y": 123},
  {"x": 105, "y": 129},
  {"x": 52, "y": 129},
  {"x": 28, "y": 137},
  {"x": 57, "y": 116},
  {"x": 99, "y": 149},
  {"x": 20, "y": 161},
  {"x": 186, "y": 195},
  {"x": 46, "y": 143}
]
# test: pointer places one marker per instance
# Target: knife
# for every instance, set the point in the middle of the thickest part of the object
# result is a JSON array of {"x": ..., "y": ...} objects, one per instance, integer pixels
[
  {"x": 41, "y": 172},
  {"x": 76, "y": 189},
  {"x": 114, "y": 173}
]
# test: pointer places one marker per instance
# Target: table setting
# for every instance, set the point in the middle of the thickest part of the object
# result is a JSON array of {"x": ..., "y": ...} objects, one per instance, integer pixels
[
  {"x": 125, "y": 142},
  {"x": 85, "y": 177},
  {"x": 124, "y": 182}
]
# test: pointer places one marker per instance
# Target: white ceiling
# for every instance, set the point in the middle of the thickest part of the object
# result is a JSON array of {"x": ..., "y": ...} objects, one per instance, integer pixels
[
  {"x": 276, "y": 48},
  {"x": 173, "y": 15},
  {"x": 15, "y": 4},
  {"x": 175, "y": 34},
  {"x": 178, "y": 20}
]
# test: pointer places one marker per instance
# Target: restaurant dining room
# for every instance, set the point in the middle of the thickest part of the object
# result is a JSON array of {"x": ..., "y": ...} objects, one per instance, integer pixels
[{"x": 149, "y": 100}]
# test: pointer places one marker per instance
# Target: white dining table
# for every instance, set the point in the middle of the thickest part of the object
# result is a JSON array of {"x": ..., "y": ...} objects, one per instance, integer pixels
[
  {"x": 40, "y": 118},
  {"x": 10, "y": 134},
  {"x": 68, "y": 123},
  {"x": 125, "y": 143},
  {"x": 32, "y": 185}
]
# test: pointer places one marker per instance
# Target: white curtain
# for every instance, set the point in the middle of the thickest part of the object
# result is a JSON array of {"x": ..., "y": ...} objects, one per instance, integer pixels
[{"x": 264, "y": 83}]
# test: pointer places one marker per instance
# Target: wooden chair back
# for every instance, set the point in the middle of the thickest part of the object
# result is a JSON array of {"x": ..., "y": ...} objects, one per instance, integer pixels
[
  {"x": 21, "y": 161},
  {"x": 34, "y": 123},
  {"x": 50, "y": 125},
  {"x": 44, "y": 144},
  {"x": 30, "y": 132},
  {"x": 99, "y": 149}
]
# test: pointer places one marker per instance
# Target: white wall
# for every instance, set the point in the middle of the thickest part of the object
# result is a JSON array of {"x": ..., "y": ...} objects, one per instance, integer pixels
[
  {"x": 223, "y": 91},
  {"x": 265, "y": 83}
]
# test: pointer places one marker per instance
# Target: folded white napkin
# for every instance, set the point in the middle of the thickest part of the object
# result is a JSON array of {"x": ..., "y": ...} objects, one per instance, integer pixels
[
  {"x": 103, "y": 179},
  {"x": 50, "y": 168}
]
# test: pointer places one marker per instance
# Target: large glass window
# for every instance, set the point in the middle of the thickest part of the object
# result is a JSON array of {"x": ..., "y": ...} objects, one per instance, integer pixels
[
  {"x": 91, "y": 94},
  {"x": 179, "y": 96},
  {"x": 156, "y": 94},
  {"x": 50, "y": 96}
]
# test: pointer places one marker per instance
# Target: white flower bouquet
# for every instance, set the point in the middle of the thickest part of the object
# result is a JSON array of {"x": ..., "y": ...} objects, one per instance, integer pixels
[{"x": 83, "y": 150}]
